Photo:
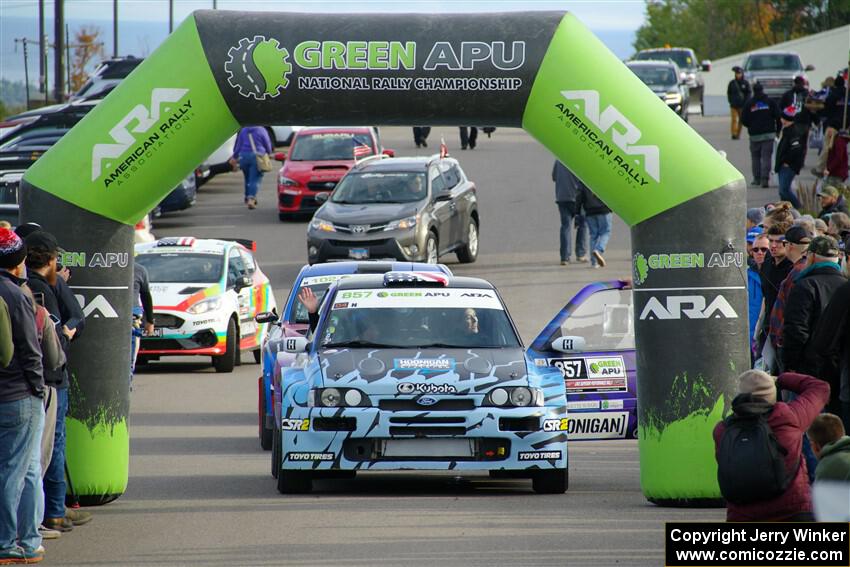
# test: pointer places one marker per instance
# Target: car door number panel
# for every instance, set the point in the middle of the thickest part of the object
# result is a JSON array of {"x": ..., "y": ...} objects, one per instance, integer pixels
[{"x": 593, "y": 373}]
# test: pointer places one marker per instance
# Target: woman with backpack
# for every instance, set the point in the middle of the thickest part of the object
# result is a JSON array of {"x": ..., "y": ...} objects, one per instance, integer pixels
[{"x": 758, "y": 448}]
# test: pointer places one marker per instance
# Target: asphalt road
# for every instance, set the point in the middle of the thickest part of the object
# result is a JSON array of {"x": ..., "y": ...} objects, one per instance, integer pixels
[{"x": 200, "y": 491}]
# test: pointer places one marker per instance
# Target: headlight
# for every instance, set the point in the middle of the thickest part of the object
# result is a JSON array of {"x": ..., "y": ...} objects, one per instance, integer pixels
[
  {"x": 515, "y": 397},
  {"x": 337, "y": 397},
  {"x": 322, "y": 225},
  {"x": 205, "y": 306},
  {"x": 673, "y": 98},
  {"x": 287, "y": 182},
  {"x": 409, "y": 222}
]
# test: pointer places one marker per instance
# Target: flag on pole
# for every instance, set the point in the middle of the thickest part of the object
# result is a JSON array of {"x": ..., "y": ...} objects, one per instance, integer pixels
[{"x": 362, "y": 150}]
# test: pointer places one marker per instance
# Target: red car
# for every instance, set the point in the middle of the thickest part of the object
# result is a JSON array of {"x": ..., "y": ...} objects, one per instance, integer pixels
[{"x": 316, "y": 161}]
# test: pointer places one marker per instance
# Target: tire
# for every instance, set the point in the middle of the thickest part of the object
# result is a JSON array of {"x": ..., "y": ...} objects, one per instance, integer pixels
[
  {"x": 469, "y": 251},
  {"x": 258, "y": 355},
  {"x": 553, "y": 481},
  {"x": 265, "y": 433},
  {"x": 432, "y": 251},
  {"x": 294, "y": 482},
  {"x": 275, "y": 452},
  {"x": 227, "y": 361},
  {"x": 283, "y": 217}
]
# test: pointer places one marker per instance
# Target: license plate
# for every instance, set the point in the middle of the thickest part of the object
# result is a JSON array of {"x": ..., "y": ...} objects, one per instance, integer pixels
[
  {"x": 428, "y": 448},
  {"x": 358, "y": 253},
  {"x": 157, "y": 332}
]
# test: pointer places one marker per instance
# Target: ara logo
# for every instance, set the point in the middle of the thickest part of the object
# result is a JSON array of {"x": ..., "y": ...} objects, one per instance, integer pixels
[
  {"x": 625, "y": 136},
  {"x": 688, "y": 307},
  {"x": 124, "y": 136},
  {"x": 97, "y": 307}
]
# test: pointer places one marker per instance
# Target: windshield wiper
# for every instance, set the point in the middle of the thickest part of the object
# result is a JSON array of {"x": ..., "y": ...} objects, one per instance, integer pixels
[{"x": 358, "y": 344}]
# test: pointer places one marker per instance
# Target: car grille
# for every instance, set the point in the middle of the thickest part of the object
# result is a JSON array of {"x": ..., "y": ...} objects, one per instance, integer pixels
[
  {"x": 170, "y": 321},
  {"x": 783, "y": 84},
  {"x": 362, "y": 228},
  {"x": 201, "y": 339},
  {"x": 427, "y": 431},
  {"x": 286, "y": 199},
  {"x": 460, "y": 404},
  {"x": 358, "y": 243},
  {"x": 321, "y": 185}
]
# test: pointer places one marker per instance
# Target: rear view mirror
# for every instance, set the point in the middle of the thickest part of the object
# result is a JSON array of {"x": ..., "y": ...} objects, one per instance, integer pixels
[
  {"x": 568, "y": 344},
  {"x": 280, "y": 156},
  {"x": 266, "y": 317},
  {"x": 706, "y": 66},
  {"x": 443, "y": 196},
  {"x": 322, "y": 197},
  {"x": 810, "y": 67},
  {"x": 244, "y": 281},
  {"x": 294, "y": 345}
]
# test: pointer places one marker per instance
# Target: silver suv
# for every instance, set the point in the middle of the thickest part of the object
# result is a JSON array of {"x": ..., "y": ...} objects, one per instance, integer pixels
[
  {"x": 775, "y": 71},
  {"x": 689, "y": 68},
  {"x": 410, "y": 209}
]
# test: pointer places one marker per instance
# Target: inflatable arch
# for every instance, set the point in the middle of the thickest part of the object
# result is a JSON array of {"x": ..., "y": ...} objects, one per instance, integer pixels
[{"x": 543, "y": 71}]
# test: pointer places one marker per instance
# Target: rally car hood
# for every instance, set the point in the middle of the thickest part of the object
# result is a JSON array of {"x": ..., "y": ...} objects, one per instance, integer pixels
[
  {"x": 181, "y": 295},
  {"x": 381, "y": 371},
  {"x": 305, "y": 171},
  {"x": 368, "y": 213}
]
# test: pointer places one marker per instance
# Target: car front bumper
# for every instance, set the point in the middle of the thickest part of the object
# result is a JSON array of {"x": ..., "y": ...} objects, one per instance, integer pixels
[
  {"x": 186, "y": 334},
  {"x": 484, "y": 438}
]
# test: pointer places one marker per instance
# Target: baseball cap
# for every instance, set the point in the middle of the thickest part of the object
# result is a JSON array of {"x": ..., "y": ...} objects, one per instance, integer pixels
[
  {"x": 27, "y": 228},
  {"x": 828, "y": 191},
  {"x": 798, "y": 235},
  {"x": 42, "y": 239},
  {"x": 737, "y": 69},
  {"x": 754, "y": 233},
  {"x": 825, "y": 246}
]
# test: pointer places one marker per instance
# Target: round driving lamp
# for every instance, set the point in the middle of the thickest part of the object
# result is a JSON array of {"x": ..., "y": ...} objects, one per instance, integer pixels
[
  {"x": 353, "y": 398},
  {"x": 521, "y": 397},
  {"x": 330, "y": 397},
  {"x": 499, "y": 396}
]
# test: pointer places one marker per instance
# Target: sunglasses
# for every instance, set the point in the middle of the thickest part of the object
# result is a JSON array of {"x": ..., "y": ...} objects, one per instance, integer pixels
[{"x": 761, "y": 249}]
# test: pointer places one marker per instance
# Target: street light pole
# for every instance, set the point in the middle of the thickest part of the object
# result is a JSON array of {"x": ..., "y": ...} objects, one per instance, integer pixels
[
  {"x": 59, "y": 51},
  {"x": 170, "y": 16},
  {"x": 42, "y": 55},
  {"x": 24, "y": 41},
  {"x": 115, "y": 28}
]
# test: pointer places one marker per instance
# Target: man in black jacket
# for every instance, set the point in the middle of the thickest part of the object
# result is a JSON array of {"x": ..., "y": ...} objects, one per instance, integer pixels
[
  {"x": 43, "y": 250},
  {"x": 21, "y": 414},
  {"x": 737, "y": 93},
  {"x": 807, "y": 301},
  {"x": 598, "y": 217},
  {"x": 833, "y": 114},
  {"x": 790, "y": 154},
  {"x": 760, "y": 116}
]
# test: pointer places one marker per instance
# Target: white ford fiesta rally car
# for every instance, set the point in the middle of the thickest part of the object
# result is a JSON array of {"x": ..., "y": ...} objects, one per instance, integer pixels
[{"x": 206, "y": 293}]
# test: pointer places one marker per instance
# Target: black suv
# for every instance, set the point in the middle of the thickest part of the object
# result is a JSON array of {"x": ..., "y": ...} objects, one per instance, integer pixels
[{"x": 410, "y": 209}]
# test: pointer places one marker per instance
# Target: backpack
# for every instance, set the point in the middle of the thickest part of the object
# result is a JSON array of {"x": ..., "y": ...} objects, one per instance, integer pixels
[{"x": 750, "y": 461}]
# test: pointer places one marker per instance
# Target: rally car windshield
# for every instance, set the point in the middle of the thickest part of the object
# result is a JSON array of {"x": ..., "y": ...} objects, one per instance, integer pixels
[
  {"x": 389, "y": 187},
  {"x": 419, "y": 318},
  {"x": 330, "y": 147},
  {"x": 172, "y": 267}
]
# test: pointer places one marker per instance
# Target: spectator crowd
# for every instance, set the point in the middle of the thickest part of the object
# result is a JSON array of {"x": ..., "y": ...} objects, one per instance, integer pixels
[{"x": 39, "y": 320}]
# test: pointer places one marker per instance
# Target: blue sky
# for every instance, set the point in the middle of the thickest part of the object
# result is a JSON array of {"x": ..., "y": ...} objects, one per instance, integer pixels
[{"x": 143, "y": 24}]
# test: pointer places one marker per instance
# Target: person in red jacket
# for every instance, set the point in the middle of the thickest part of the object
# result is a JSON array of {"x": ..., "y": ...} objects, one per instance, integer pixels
[{"x": 789, "y": 422}]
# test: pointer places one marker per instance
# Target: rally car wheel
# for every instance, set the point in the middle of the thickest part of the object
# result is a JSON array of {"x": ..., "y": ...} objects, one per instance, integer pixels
[
  {"x": 294, "y": 482},
  {"x": 258, "y": 355},
  {"x": 432, "y": 256},
  {"x": 275, "y": 453},
  {"x": 469, "y": 251},
  {"x": 554, "y": 481},
  {"x": 227, "y": 361},
  {"x": 265, "y": 432}
]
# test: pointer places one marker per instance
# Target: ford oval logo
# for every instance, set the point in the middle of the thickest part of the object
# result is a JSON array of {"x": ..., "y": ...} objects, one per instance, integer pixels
[{"x": 426, "y": 401}]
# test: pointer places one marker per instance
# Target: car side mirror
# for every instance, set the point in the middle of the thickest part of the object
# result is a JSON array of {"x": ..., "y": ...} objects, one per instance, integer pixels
[
  {"x": 294, "y": 345},
  {"x": 443, "y": 196},
  {"x": 389, "y": 153},
  {"x": 568, "y": 344},
  {"x": 810, "y": 67},
  {"x": 706, "y": 66},
  {"x": 322, "y": 197},
  {"x": 244, "y": 281},
  {"x": 280, "y": 156},
  {"x": 266, "y": 317}
]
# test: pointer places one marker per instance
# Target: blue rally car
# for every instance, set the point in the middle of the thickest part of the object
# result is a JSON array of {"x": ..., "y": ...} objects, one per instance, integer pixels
[
  {"x": 422, "y": 371},
  {"x": 293, "y": 322}
]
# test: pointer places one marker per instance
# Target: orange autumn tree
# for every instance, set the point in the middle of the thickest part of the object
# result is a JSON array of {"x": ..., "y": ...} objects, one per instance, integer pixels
[{"x": 87, "y": 45}]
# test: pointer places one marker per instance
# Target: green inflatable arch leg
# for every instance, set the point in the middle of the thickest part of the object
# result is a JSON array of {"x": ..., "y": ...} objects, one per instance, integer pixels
[{"x": 543, "y": 71}]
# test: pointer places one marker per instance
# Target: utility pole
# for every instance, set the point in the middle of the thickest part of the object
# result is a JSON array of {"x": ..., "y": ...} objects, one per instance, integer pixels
[
  {"x": 25, "y": 41},
  {"x": 215, "y": 7},
  {"x": 68, "y": 55},
  {"x": 115, "y": 28},
  {"x": 59, "y": 51},
  {"x": 42, "y": 49},
  {"x": 170, "y": 16}
]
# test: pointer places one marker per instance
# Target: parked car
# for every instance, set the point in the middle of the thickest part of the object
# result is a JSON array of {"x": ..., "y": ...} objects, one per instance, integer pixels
[
  {"x": 410, "y": 209},
  {"x": 181, "y": 197},
  {"x": 775, "y": 70},
  {"x": 47, "y": 118},
  {"x": 283, "y": 135},
  {"x": 690, "y": 70},
  {"x": 664, "y": 79},
  {"x": 106, "y": 76},
  {"x": 316, "y": 161}
]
